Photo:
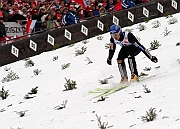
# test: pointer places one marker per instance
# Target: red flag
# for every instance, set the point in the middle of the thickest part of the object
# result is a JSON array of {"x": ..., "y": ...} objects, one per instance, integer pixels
[
  {"x": 118, "y": 6},
  {"x": 30, "y": 25},
  {"x": 83, "y": 3}
]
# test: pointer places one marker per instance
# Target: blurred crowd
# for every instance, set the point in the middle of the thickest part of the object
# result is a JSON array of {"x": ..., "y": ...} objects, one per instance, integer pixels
[{"x": 58, "y": 13}]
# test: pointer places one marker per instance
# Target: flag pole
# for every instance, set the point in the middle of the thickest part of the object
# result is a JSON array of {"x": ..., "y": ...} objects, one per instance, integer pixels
[
  {"x": 50, "y": 5},
  {"x": 0, "y": 3}
]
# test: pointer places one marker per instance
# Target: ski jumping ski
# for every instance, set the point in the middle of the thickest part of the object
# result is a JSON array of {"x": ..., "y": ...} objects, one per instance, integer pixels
[{"x": 107, "y": 91}]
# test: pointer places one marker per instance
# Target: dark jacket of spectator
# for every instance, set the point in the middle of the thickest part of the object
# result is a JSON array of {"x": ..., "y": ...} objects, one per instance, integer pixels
[
  {"x": 37, "y": 16},
  {"x": 18, "y": 18},
  {"x": 70, "y": 18},
  {"x": 2, "y": 29},
  {"x": 5, "y": 12}
]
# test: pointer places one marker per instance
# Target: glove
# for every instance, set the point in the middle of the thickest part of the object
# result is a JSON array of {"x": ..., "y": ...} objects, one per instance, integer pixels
[
  {"x": 154, "y": 59},
  {"x": 109, "y": 62}
]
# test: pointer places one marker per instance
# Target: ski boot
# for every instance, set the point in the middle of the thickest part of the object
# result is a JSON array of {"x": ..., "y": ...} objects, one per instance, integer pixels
[
  {"x": 134, "y": 78},
  {"x": 123, "y": 80}
]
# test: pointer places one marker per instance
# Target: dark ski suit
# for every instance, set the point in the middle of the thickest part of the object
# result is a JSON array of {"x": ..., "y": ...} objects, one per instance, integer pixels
[{"x": 130, "y": 48}]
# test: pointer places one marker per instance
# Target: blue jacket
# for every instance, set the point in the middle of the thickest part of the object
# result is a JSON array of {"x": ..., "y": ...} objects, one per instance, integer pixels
[
  {"x": 128, "y": 4},
  {"x": 70, "y": 18}
]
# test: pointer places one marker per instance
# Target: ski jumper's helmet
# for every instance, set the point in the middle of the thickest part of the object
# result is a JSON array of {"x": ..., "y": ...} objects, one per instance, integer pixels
[{"x": 115, "y": 29}]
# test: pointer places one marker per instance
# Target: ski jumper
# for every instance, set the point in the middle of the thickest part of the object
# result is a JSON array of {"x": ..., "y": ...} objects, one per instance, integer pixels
[{"x": 130, "y": 48}]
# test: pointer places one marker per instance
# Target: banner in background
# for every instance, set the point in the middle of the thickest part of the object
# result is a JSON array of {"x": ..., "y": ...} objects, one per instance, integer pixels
[{"x": 13, "y": 28}]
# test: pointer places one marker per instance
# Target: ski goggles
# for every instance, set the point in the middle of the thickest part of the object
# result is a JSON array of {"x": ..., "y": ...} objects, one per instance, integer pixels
[{"x": 115, "y": 35}]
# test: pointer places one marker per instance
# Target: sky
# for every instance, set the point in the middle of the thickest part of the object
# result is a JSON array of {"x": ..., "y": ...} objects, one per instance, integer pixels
[{"x": 77, "y": 108}]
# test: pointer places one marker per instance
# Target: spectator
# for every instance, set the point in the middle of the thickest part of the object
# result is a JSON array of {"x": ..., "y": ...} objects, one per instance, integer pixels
[
  {"x": 37, "y": 15},
  {"x": 82, "y": 13},
  {"x": 128, "y": 4},
  {"x": 38, "y": 5},
  {"x": 43, "y": 27},
  {"x": 24, "y": 11},
  {"x": 110, "y": 5},
  {"x": 2, "y": 30},
  {"x": 96, "y": 11},
  {"x": 57, "y": 5},
  {"x": 11, "y": 10},
  {"x": 18, "y": 18},
  {"x": 61, "y": 9},
  {"x": 27, "y": 7},
  {"x": 58, "y": 17},
  {"x": 62, "y": 4},
  {"x": 70, "y": 17},
  {"x": 5, "y": 12},
  {"x": 102, "y": 11},
  {"x": 104, "y": 3},
  {"x": 50, "y": 24},
  {"x": 89, "y": 11}
]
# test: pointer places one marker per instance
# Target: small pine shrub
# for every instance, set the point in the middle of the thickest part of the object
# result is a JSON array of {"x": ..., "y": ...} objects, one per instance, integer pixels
[
  {"x": 99, "y": 37},
  {"x": 80, "y": 51},
  {"x": 104, "y": 81},
  {"x": 166, "y": 32},
  {"x": 157, "y": 67},
  {"x": 2, "y": 110},
  {"x": 64, "y": 66},
  {"x": 129, "y": 30},
  {"x": 33, "y": 90},
  {"x": 102, "y": 98},
  {"x": 156, "y": 24},
  {"x": 27, "y": 96},
  {"x": 107, "y": 46},
  {"x": 21, "y": 113},
  {"x": 141, "y": 27},
  {"x": 85, "y": 41},
  {"x": 168, "y": 15},
  {"x": 154, "y": 45},
  {"x": 147, "y": 69},
  {"x": 26, "y": 59},
  {"x": 173, "y": 20},
  {"x": 178, "y": 44},
  {"x": 178, "y": 60},
  {"x": 62, "y": 106},
  {"x": 143, "y": 74},
  {"x": 147, "y": 19},
  {"x": 56, "y": 46},
  {"x": 4, "y": 94},
  {"x": 146, "y": 90},
  {"x": 89, "y": 61},
  {"x": 130, "y": 23},
  {"x": 102, "y": 125},
  {"x": 55, "y": 58},
  {"x": 150, "y": 116},
  {"x": 71, "y": 44},
  {"x": 36, "y": 72},
  {"x": 16, "y": 128},
  {"x": 7, "y": 69},
  {"x": 29, "y": 63},
  {"x": 70, "y": 84},
  {"x": 11, "y": 76}
]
